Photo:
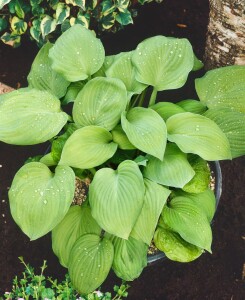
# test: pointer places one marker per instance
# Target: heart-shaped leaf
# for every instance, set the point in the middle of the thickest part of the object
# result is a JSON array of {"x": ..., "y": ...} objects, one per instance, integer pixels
[
  {"x": 120, "y": 137},
  {"x": 43, "y": 77},
  {"x": 194, "y": 106},
  {"x": 183, "y": 216},
  {"x": 174, "y": 170},
  {"x": 123, "y": 69},
  {"x": 29, "y": 116},
  {"x": 93, "y": 105},
  {"x": 163, "y": 62},
  {"x": 39, "y": 199},
  {"x": 90, "y": 262},
  {"x": 116, "y": 198},
  {"x": 154, "y": 200},
  {"x": 146, "y": 130},
  {"x": 93, "y": 146},
  {"x": 232, "y": 123},
  {"x": 77, "y": 222},
  {"x": 198, "y": 135},
  {"x": 77, "y": 54},
  {"x": 174, "y": 247},
  {"x": 223, "y": 88},
  {"x": 167, "y": 109},
  {"x": 130, "y": 257}
]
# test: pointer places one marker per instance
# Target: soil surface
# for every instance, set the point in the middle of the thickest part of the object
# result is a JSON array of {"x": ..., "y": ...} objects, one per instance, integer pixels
[{"x": 217, "y": 276}]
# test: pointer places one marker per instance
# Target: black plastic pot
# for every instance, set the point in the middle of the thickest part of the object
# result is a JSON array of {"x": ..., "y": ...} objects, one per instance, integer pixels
[{"x": 216, "y": 173}]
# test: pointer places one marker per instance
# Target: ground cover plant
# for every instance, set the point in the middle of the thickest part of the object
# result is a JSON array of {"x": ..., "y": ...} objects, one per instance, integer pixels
[
  {"x": 146, "y": 161},
  {"x": 45, "y": 20}
]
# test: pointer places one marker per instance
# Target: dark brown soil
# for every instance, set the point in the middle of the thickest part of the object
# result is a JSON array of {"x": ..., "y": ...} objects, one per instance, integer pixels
[{"x": 215, "y": 277}]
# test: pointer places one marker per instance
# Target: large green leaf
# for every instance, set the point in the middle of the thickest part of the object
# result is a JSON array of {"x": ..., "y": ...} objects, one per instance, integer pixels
[
  {"x": 174, "y": 247},
  {"x": 154, "y": 200},
  {"x": 116, "y": 198},
  {"x": 232, "y": 123},
  {"x": 29, "y": 116},
  {"x": 163, "y": 62},
  {"x": 201, "y": 180},
  {"x": 193, "y": 106},
  {"x": 146, "y": 130},
  {"x": 43, "y": 77},
  {"x": 93, "y": 105},
  {"x": 39, "y": 199},
  {"x": 130, "y": 257},
  {"x": 77, "y": 222},
  {"x": 186, "y": 218},
  {"x": 72, "y": 91},
  {"x": 167, "y": 109},
  {"x": 223, "y": 87},
  {"x": 123, "y": 69},
  {"x": 120, "y": 137},
  {"x": 205, "y": 201},
  {"x": 198, "y": 135},
  {"x": 90, "y": 262},
  {"x": 174, "y": 170},
  {"x": 77, "y": 54},
  {"x": 92, "y": 146}
]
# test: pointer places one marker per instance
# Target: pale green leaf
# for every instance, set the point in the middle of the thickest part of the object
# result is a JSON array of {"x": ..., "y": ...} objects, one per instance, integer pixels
[
  {"x": 39, "y": 199},
  {"x": 223, "y": 88},
  {"x": 93, "y": 105},
  {"x": 183, "y": 216},
  {"x": 77, "y": 222},
  {"x": 111, "y": 195},
  {"x": 43, "y": 77},
  {"x": 120, "y": 138},
  {"x": 77, "y": 54},
  {"x": 167, "y": 109},
  {"x": 72, "y": 91},
  {"x": 92, "y": 145},
  {"x": 90, "y": 262},
  {"x": 48, "y": 160},
  {"x": 193, "y": 106},
  {"x": 29, "y": 116},
  {"x": 130, "y": 257},
  {"x": 163, "y": 62},
  {"x": 174, "y": 247},
  {"x": 154, "y": 200},
  {"x": 146, "y": 130},
  {"x": 123, "y": 69},
  {"x": 198, "y": 64},
  {"x": 199, "y": 135},
  {"x": 174, "y": 170},
  {"x": 232, "y": 123},
  {"x": 48, "y": 25}
]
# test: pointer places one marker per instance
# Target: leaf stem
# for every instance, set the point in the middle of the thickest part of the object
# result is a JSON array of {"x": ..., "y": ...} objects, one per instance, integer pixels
[
  {"x": 93, "y": 171},
  {"x": 142, "y": 98},
  {"x": 153, "y": 97}
]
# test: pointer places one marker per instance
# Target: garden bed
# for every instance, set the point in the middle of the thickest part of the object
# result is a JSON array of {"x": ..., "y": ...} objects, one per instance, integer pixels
[{"x": 217, "y": 276}]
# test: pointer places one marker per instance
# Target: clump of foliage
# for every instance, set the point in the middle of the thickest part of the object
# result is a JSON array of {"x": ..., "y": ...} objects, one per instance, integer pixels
[
  {"x": 39, "y": 286},
  {"x": 147, "y": 161},
  {"x": 45, "y": 20}
]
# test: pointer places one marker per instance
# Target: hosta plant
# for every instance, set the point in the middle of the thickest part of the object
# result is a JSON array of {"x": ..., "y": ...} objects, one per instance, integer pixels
[
  {"x": 144, "y": 163},
  {"x": 44, "y": 20}
]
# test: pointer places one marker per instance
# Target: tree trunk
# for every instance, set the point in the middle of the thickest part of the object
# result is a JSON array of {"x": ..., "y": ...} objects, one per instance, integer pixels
[{"x": 225, "y": 43}]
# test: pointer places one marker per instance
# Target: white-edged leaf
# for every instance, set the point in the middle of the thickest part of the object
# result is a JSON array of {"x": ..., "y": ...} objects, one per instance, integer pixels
[
  {"x": 90, "y": 262},
  {"x": 62, "y": 12},
  {"x": 232, "y": 123},
  {"x": 77, "y": 222},
  {"x": 130, "y": 257},
  {"x": 116, "y": 198},
  {"x": 3, "y": 2},
  {"x": 100, "y": 102},
  {"x": 186, "y": 218},
  {"x": 223, "y": 88},
  {"x": 48, "y": 25},
  {"x": 39, "y": 199},
  {"x": 43, "y": 77},
  {"x": 174, "y": 170},
  {"x": 146, "y": 130},
  {"x": 199, "y": 135},
  {"x": 77, "y": 54},
  {"x": 92, "y": 146},
  {"x": 154, "y": 200},
  {"x": 30, "y": 116},
  {"x": 163, "y": 62}
]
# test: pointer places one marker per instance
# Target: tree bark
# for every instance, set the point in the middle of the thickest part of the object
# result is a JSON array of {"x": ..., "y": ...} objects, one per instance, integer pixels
[{"x": 225, "y": 44}]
